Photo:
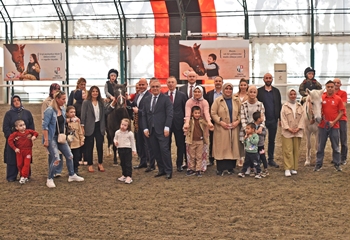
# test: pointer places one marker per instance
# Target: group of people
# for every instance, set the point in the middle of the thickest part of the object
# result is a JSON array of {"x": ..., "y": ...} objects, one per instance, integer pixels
[{"x": 218, "y": 125}]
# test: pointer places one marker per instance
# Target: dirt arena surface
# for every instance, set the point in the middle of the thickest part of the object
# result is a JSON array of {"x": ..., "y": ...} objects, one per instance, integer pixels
[{"x": 310, "y": 205}]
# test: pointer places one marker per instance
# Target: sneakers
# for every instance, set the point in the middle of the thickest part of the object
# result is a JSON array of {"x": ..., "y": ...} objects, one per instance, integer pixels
[
  {"x": 343, "y": 162},
  {"x": 293, "y": 172},
  {"x": 50, "y": 183},
  {"x": 190, "y": 173},
  {"x": 230, "y": 172},
  {"x": 57, "y": 175},
  {"x": 287, "y": 173},
  {"x": 317, "y": 168},
  {"x": 122, "y": 179},
  {"x": 128, "y": 180},
  {"x": 75, "y": 178},
  {"x": 248, "y": 171},
  {"x": 220, "y": 173},
  {"x": 337, "y": 168},
  {"x": 242, "y": 175},
  {"x": 199, "y": 174},
  {"x": 265, "y": 173},
  {"x": 23, "y": 180},
  {"x": 258, "y": 176}
]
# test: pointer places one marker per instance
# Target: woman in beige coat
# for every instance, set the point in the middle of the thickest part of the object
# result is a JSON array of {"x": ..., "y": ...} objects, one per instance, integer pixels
[
  {"x": 292, "y": 121},
  {"x": 226, "y": 114}
]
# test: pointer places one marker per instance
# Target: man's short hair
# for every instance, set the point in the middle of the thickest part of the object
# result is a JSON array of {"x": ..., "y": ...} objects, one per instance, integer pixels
[{"x": 330, "y": 81}]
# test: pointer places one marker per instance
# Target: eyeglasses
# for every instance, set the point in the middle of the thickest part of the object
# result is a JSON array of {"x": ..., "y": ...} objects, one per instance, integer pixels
[{"x": 268, "y": 77}]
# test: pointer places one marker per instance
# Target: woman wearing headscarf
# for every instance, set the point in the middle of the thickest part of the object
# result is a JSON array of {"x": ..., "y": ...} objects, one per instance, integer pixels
[
  {"x": 226, "y": 114},
  {"x": 198, "y": 100},
  {"x": 292, "y": 122},
  {"x": 16, "y": 112}
]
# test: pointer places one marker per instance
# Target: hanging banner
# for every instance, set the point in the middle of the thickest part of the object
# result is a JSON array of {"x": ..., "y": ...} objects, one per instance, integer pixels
[
  {"x": 211, "y": 58},
  {"x": 35, "y": 62}
]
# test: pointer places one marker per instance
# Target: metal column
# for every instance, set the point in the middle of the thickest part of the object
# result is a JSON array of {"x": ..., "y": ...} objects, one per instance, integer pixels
[
  {"x": 64, "y": 32},
  {"x": 312, "y": 49},
  {"x": 9, "y": 40},
  {"x": 183, "y": 18},
  {"x": 246, "y": 19},
  {"x": 123, "y": 46}
]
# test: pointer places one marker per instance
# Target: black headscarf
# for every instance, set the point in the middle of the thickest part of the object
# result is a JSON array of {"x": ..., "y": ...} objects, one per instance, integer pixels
[{"x": 13, "y": 108}]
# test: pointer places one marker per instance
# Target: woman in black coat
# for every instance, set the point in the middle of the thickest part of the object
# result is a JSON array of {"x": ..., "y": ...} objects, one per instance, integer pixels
[{"x": 16, "y": 112}]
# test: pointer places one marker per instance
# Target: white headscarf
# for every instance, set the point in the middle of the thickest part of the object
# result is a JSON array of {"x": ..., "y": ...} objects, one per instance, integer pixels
[
  {"x": 201, "y": 89},
  {"x": 291, "y": 103},
  {"x": 288, "y": 93}
]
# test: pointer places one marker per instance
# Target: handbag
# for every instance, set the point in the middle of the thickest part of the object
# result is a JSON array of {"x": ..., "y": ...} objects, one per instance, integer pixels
[{"x": 61, "y": 138}]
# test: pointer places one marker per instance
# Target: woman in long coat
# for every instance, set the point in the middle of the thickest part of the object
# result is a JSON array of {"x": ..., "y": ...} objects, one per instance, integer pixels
[
  {"x": 16, "y": 112},
  {"x": 226, "y": 114}
]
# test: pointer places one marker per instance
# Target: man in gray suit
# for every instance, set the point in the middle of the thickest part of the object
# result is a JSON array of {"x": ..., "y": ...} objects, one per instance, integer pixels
[{"x": 157, "y": 120}]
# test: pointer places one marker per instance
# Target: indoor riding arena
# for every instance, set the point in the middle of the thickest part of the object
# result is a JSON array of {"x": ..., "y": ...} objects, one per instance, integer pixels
[{"x": 55, "y": 43}]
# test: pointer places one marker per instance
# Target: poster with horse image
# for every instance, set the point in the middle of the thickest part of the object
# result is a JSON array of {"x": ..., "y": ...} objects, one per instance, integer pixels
[
  {"x": 210, "y": 58},
  {"x": 34, "y": 62}
]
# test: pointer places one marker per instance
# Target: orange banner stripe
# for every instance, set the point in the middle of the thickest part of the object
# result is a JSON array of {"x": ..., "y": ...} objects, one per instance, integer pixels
[
  {"x": 161, "y": 44},
  {"x": 209, "y": 23}
]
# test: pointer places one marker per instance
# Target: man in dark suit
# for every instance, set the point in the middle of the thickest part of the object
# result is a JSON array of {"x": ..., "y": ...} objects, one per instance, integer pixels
[
  {"x": 271, "y": 98},
  {"x": 142, "y": 144},
  {"x": 156, "y": 123},
  {"x": 189, "y": 86},
  {"x": 210, "y": 97},
  {"x": 178, "y": 100}
]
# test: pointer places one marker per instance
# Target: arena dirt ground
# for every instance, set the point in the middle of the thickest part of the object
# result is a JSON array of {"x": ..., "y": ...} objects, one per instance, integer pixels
[{"x": 310, "y": 205}]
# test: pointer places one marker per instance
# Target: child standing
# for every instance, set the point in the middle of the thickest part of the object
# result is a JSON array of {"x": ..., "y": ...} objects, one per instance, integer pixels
[
  {"x": 21, "y": 141},
  {"x": 251, "y": 141},
  {"x": 125, "y": 142},
  {"x": 75, "y": 136},
  {"x": 258, "y": 120},
  {"x": 196, "y": 138}
]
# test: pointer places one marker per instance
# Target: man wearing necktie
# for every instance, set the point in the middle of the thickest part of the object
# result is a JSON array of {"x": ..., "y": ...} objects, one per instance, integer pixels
[
  {"x": 179, "y": 101},
  {"x": 142, "y": 143},
  {"x": 157, "y": 120},
  {"x": 189, "y": 86}
]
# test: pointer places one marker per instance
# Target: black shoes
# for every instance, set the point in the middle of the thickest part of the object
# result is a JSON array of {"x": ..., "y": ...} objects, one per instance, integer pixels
[
  {"x": 169, "y": 176},
  {"x": 159, "y": 174},
  {"x": 140, "y": 166},
  {"x": 272, "y": 163},
  {"x": 149, "y": 169},
  {"x": 179, "y": 169}
]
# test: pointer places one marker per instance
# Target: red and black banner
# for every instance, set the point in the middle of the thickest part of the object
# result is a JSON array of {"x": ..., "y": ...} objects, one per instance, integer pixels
[{"x": 200, "y": 18}]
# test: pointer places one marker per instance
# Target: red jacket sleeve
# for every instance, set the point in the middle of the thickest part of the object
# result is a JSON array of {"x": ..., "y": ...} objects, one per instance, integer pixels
[{"x": 11, "y": 140}]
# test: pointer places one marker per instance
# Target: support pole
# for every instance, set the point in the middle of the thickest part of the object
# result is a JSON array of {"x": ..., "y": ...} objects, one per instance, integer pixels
[{"x": 312, "y": 50}]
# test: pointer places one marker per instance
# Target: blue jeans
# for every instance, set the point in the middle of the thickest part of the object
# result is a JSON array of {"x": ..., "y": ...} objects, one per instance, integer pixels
[
  {"x": 323, "y": 135},
  {"x": 271, "y": 126},
  {"x": 54, "y": 149},
  {"x": 58, "y": 169},
  {"x": 343, "y": 130}
]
